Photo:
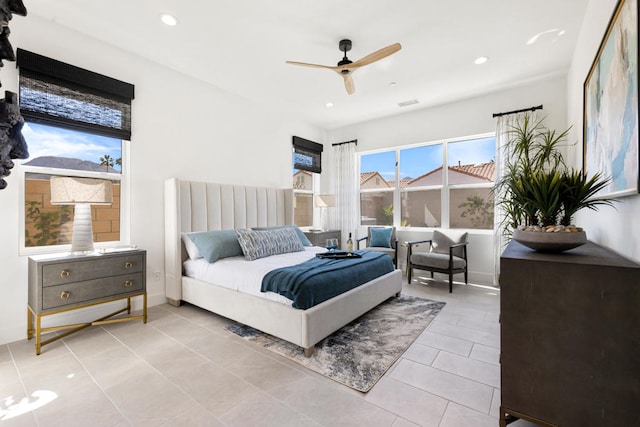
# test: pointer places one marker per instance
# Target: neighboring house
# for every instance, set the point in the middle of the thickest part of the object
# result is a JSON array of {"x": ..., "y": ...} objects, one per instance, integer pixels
[
  {"x": 373, "y": 180},
  {"x": 461, "y": 174},
  {"x": 302, "y": 180},
  {"x": 422, "y": 208}
]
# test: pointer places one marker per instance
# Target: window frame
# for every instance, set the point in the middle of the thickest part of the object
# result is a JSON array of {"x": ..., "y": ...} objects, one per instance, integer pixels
[
  {"x": 125, "y": 202},
  {"x": 315, "y": 211},
  {"x": 444, "y": 188}
]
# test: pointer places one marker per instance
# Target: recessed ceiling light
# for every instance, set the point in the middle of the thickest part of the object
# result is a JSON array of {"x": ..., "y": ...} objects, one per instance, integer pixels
[
  {"x": 329, "y": 104},
  {"x": 481, "y": 60},
  {"x": 168, "y": 19}
]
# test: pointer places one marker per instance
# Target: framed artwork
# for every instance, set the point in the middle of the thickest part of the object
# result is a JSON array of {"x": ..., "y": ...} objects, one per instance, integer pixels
[{"x": 610, "y": 132}]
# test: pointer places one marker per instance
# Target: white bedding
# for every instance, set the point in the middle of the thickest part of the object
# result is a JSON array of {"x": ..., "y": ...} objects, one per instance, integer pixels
[{"x": 246, "y": 276}]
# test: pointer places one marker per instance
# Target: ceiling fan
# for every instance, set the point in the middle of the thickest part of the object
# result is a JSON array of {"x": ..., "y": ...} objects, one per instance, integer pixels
[{"x": 346, "y": 67}]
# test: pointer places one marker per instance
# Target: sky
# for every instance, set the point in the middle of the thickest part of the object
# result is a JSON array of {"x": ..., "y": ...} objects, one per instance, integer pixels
[
  {"x": 417, "y": 161},
  {"x": 53, "y": 141}
]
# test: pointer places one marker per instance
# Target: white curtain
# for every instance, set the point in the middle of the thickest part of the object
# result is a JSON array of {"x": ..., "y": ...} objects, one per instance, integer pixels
[
  {"x": 346, "y": 188},
  {"x": 504, "y": 124}
]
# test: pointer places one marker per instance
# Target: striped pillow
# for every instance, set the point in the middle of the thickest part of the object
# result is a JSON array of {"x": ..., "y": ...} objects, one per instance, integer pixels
[{"x": 263, "y": 243}]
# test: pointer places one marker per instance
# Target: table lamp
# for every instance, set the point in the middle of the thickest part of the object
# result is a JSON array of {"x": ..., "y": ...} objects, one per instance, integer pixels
[
  {"x": 81, "y": 192},
  {"x": 324, "y": 201}
]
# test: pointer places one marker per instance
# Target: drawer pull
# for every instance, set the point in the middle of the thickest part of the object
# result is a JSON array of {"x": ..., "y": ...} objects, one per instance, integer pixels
[
  {"x": 128, "y": 283},
  {"x": 64, "y": 295},
  {"x": 64, "y": 274},
  {"x": 128, "y": 264}
]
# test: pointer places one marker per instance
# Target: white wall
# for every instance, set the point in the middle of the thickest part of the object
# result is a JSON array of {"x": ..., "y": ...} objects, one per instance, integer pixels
[
  {"x": 180, "y": 127},
  {"x": 617, "y": 229},
  {"x": 464, "y": 118}
]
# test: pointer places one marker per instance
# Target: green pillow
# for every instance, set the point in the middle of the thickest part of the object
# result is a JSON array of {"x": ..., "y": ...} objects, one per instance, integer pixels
[
  {"x": 381, "y": 237},
  {"x": 303, "y": 238},
  {"x": 217, "y": 244}
]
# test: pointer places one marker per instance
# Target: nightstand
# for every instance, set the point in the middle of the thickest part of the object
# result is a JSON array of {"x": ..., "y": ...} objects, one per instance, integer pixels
[
  {"x": 60, "y": 283},
  {"x": 319, "y": 238}
]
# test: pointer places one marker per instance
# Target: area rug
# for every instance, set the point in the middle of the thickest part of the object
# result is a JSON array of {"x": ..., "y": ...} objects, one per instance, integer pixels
[{"x": 362, "y": 351}]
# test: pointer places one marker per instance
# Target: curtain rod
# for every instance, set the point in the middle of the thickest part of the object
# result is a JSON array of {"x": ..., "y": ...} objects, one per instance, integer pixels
[
  {"x": 355, "y": 141},
  {"x": 539, "y": 107}
]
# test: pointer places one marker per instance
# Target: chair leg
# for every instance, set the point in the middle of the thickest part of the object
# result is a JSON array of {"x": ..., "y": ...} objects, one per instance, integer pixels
[
  {"x": 431, "y": 274},
  {"x": 409, "y": 274},
  {"x": 450, "y": 282},
  {"x": 466, "y": 280}
]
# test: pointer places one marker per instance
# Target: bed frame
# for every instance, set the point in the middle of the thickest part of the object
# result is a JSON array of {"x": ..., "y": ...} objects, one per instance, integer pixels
[{"x": 200, "y": 206}]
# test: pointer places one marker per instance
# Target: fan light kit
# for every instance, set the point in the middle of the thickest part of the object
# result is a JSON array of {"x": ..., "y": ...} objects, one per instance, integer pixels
[{"x": 346, "y": 67}]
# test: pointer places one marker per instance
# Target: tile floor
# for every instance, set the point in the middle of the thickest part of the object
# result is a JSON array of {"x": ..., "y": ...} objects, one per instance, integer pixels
[{"x": 183, "y": 369}]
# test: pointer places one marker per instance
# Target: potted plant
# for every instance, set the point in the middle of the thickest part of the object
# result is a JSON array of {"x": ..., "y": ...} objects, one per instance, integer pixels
[{"x": 540, "y": 194}]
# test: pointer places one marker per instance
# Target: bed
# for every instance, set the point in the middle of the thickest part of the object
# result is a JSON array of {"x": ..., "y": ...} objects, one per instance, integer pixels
[{"x": 192, "y": 206}]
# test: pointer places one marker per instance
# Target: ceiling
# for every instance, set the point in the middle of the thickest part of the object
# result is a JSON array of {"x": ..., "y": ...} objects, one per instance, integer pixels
[{"x": 241, "y": 46}]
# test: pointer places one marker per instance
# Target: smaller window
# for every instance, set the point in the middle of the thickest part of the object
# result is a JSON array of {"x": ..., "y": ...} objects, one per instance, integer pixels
[
  {"x": 62, "y": 152},
  {"x": 303, "y": 198}
]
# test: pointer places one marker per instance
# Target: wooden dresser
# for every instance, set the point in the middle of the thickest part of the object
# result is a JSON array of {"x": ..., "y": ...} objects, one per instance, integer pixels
[
  {"x": 59, "y": 283},
  {"x": 570, "y": 337}
]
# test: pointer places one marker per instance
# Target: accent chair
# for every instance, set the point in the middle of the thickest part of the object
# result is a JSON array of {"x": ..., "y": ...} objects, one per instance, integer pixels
[
  {"x": 381, "y": 239},
  {"x": 447, "y": 254}
]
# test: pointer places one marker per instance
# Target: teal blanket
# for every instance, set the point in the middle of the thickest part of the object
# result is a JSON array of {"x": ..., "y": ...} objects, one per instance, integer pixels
[{"x": 318, "y": 280}]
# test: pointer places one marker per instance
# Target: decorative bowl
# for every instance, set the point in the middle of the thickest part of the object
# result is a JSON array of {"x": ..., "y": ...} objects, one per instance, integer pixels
[{"x": 550, "y": 242}]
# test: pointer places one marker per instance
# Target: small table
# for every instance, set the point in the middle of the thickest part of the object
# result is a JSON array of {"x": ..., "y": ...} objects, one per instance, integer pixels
[
  {"x": 64, "y": 282},
  {"x": 319, "y": 237}
]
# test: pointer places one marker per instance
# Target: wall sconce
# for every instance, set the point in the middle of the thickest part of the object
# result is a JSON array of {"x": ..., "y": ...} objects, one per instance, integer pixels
[{"x": 81, "y": 192}]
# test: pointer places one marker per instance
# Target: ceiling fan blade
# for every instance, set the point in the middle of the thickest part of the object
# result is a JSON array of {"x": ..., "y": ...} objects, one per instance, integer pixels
[
  {"x": 377, "y": 55},
  {"x": 348, "y": 84},
  {"x": 304, "y": 64}
]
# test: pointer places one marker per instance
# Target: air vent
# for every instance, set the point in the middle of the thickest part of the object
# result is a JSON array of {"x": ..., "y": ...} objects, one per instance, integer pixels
[{"x": 407, "y": 103}]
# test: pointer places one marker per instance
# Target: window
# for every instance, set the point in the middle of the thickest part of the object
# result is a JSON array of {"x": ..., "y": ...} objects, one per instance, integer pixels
[
  {"x": 56, "y": 151},
  {"x": 76, "y": 122},
  {"x": 421, "y": 186},
  {"x": 307, "y": 163},
  {"x": 471, "y": 174},
  {"x": 302, "y": 198},
  {"x": 377, "y": 175},
  {"x": 441, "y": 184}
]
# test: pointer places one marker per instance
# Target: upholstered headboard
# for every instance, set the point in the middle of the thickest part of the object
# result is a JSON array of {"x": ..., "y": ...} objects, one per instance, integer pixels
[{"x": 204, "y": 206}]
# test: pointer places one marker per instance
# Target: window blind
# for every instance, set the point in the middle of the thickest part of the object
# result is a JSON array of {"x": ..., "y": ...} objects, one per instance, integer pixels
[
  {"x": 307, "y": 155},
  {"x": 59, "y": 94}
]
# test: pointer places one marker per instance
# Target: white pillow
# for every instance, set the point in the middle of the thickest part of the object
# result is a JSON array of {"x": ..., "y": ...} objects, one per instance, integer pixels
[{"x": 192, "y": 249}]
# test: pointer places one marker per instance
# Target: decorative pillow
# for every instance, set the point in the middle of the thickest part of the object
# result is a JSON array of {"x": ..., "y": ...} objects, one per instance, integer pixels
[
  {"x": 263, "y": 243},
  {"x": 217, "y": 244},
  {"x": 192, "y": 249},
  {"x": 442, "y": 242},
  {"x": 380, "y": 237},
  {"x": 303, "y": 238}
]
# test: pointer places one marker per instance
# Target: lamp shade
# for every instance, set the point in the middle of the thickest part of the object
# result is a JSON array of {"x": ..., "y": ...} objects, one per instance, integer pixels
[
  {"x": 68, "y": 190},
  {"x": 325, "y": 200}
]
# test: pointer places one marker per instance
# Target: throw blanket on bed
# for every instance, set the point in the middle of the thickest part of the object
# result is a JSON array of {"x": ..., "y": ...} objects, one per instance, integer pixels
[{"x": 318, "y": 279}]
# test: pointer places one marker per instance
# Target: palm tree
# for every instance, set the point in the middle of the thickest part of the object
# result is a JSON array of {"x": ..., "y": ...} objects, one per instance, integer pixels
[
  {"x": 107, "y": 161},
  {"x": 119, "y": 162}
]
